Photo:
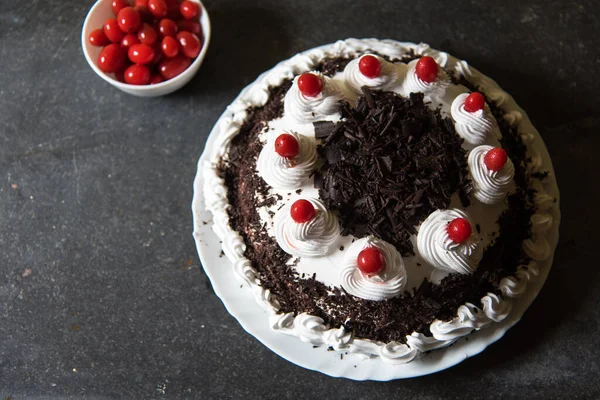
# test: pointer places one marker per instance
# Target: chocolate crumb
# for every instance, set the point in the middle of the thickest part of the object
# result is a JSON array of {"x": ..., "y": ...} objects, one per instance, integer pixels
[{"x": 341, "y": 248}]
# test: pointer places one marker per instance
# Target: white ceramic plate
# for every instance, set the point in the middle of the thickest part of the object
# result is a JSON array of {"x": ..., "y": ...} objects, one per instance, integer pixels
[{"x": 240, "y": 302}]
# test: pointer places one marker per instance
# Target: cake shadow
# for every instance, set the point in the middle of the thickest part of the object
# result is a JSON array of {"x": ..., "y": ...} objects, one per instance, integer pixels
[{"x": 235, "y": 57}]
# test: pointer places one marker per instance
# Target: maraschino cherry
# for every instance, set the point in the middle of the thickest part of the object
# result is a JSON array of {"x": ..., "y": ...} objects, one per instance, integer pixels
[
  {"x": 459, "y": 230},
  {"x": 474, "y": 102},
  {"x": 302, "y": 211},
  {"x": 370, "y": 261},
  {"x": 495, "y": 159},
  {"x": 287, "y": 146},
  {"x": 310, "y": 85},
  {"x": 427, "y": 69},
  {"x": 369, "y": 66}
]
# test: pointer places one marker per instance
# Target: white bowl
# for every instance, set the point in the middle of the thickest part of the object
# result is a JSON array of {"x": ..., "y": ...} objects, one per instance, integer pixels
[{"x": 96, "y": 18}]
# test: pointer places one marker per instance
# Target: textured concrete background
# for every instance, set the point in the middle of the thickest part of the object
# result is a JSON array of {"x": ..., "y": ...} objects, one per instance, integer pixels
[{"x": 101, "y": 292}]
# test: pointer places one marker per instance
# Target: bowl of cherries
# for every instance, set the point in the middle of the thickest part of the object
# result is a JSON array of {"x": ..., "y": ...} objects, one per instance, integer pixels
[{"x": 146, "y": 47}]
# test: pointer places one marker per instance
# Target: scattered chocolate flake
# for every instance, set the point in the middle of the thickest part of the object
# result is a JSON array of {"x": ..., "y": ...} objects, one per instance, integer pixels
[
  {"x": 388, "y": 165},
  {"x": 341, "y": 248},
  {"x": 298, "y": 191},
  {"x": 540, "y": 175}
]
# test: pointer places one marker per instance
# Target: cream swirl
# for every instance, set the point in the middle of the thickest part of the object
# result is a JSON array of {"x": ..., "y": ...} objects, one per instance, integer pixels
[
  {"x": 303, "y": 109},
  {"x": 475, "y": 127},
  {"x": 412, "y": 83},
  {"x": 489, "y": 187},
  {"x": 387, "y": 79},
  {"x": 469, "y": 318},
  {"x": 308, "y": 239},
  {"x": 285, "y": 173},
  {"x": 440, "y": 251},
  {"x": 385, "y": 285}
]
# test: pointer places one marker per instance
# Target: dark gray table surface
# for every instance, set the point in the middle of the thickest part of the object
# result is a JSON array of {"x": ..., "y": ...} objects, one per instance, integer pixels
[{"x": 101, "y": 292}]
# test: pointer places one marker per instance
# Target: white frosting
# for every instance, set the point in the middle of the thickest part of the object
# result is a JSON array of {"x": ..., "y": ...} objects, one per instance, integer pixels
[
  {"x": 475, "y": 127},
  {"x": 412, "y": 83},
  {"x": 385, "y": 285},
  {"x": 284, "y": 173},
  {"x": 537, "y": 248},
  {"x": 311, "y": 328},
  {"x": 442, "y": 252},
  {"x": 308, "y": 239},
  {"x": 388, "y": 76},
  {"x": 469, "y": 318},
  {"x": 489, "y": 187},
  {"x": 303, "y": 109}
]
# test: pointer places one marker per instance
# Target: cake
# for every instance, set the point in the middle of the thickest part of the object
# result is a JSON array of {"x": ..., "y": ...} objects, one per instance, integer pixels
[{"x": 380, "y": 198}]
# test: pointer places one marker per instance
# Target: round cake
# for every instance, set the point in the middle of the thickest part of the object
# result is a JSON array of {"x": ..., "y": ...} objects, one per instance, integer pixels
[{"x": 380, "y": 198}]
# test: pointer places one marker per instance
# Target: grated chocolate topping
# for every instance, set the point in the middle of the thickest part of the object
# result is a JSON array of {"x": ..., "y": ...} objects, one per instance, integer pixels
[{"x": 389, "y": 164}]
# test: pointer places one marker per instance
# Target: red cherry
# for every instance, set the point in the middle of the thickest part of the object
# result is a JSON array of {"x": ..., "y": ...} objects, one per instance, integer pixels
[
  {"x": 145, "y": 14},
  {"x": 143, "y": 3},
  {"x": 474, "y": 102},
  {"x": 302, "y": 211},
  {"x": 129, "y": 20},
  {"x": 158, "y": 8},
  {"x": 171, "y": 67},
  {"x": 427, "y": 69},
  {"x": 370, "y": 261},
  {"x": 112, "y": 31},
  {"x": 141, "y": 54},
  {"x": 495, "y": 159},
  {"x": 156, "y": 78},
  {"x": 98, "y": 38},
  {"x": 158, "y": 56},
  {"x": 169, "y": 46},
  {"x": 190, "y": 26},
  {"x": 147, "y": 35},
  {"x": 189, "y": 9},
  {"x": 189, "y": 44},
  {"x": 459, "y": 230},
  {"x": 167, "y": 27},
  {"x": 112, "y": 58},
  {"x": 309, "y": 84},
  {"x": 120, "y": 74},
  {"x": 287, "y": 146},
  {"x": 118, "y": 5},
  {"x": 369, "y": 66},
  {"x": 137, "y": 75},
  {"x": 129, "y": 40}
]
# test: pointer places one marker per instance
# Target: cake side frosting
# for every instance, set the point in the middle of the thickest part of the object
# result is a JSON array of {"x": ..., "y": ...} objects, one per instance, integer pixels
[{"x": 494, "y": 307}]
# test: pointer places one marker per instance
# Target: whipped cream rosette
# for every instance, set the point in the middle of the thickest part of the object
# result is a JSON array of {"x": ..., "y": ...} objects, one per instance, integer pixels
[
  {"x": 425, "y": 76},
  {"x": 490, "y": 186},
  {"x": 376, "y": 73},
  {"x": 306, "y": 107},
  {"x": 307, "y": 235},
  {"x": 438, "y": 246},
  {"x": 385, "y": 284},
  {"x": 282, "y": 172},
  {"x": 476, "y": 126}
]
